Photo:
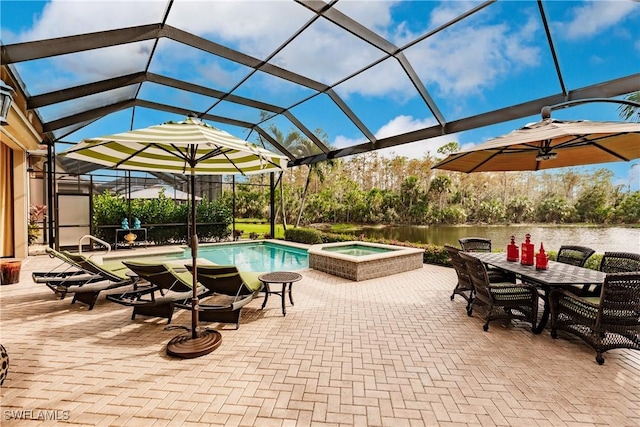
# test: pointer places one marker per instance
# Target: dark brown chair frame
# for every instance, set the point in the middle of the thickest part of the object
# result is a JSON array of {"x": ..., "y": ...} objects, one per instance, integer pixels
[
  {"x": 608, "y": 322},
  {"x": 475, "y": 244},
  {"x": 574, "y": 255},
  {"x": 167, "y": 287},
  {"x": 464, "y": 287},
  {"x": 502, "y": 300},
  {"x": 482, "y": 244},
  {"x": 614, "y": 262},
  {"x": 227, "y": 294}
]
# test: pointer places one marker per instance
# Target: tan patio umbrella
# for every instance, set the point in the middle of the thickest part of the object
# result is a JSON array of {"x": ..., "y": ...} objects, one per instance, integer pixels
[
  {"x": 550, "y": 143},
  {"x": 189, "y": 147}
]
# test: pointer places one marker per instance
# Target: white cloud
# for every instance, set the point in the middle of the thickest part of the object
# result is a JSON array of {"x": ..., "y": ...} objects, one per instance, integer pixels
[
  {"x": 467, "y": 59},
  {"x": 399, "y": 125},
  {"x": 449, "y": 60},
  {"x": 61, "y": 18},
  {"x": 594, "y": 17}
]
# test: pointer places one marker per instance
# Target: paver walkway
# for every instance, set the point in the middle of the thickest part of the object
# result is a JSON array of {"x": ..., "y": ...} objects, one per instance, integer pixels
[{"x": 394, "y": 351}]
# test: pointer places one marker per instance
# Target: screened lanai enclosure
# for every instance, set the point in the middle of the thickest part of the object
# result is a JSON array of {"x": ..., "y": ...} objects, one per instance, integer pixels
[{"x": 345, "y": 77}]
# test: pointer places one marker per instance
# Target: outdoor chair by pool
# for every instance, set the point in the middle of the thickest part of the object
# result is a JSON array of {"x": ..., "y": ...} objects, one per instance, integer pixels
[
  {"x": 67, "y": 269},
  {"x": 609, "y": 321},
  {"x": 574, "y": 255},
  {"x": 464, "y": 288},
  {"x": 166, "y": 287},
  {"x": 230, "y": 291},
  {"x": 87, "y": 291},
  {"x": 505, "y": 300},
  {"x": 613, "y": 262},
  {"x": 481, "y": 244},
  {"x": 475, "y": 244}
]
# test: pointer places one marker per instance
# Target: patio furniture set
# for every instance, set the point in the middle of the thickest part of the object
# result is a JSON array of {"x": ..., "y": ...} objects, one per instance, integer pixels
[
  {"x": 156, "y": 289},
  {"x": 601, "y": 307}
]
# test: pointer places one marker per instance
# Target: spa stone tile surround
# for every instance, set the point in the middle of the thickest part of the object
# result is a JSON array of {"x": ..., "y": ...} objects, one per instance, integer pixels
[{"x": 358, "y": 268}]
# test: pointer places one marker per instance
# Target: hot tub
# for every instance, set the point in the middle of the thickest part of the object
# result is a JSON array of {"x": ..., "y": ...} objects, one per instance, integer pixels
[{"x": 362, "y": 261}]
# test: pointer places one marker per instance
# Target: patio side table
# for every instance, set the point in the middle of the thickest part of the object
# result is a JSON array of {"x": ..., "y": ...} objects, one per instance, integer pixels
[{"x": 286, "y": 278}]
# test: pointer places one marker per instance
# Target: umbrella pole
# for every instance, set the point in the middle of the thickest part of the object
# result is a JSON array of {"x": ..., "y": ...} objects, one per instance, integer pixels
[
  {"x": 196, "y": 343},
  {"x": 194, "y": 260}
]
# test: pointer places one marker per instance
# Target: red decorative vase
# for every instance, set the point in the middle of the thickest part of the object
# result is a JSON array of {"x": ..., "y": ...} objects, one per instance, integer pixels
[
  {"x": 527, "y": 251},
  {"x": 513, "y": 253},
  {"x": 542, "y": 260}
]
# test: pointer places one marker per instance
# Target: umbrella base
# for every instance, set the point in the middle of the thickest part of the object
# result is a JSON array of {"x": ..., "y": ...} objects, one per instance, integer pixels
[{"x": 187, "y": 347}]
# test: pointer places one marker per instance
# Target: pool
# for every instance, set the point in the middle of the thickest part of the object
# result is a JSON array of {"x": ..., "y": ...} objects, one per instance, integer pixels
[
  {"x": 357, "y": 249},
  {"x": 363, "y": 260},
  {"x": 258, "y": 256},
  {"x": 254, "y": 256}
]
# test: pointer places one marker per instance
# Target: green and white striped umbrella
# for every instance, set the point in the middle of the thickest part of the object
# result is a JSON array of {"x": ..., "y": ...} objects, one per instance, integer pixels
[
  {"x": 187, "y": 147},
  {"x": 192, "y": 148}
]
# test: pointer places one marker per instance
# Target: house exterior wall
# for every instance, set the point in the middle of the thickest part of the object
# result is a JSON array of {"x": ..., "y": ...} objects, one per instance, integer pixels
[{"x": 22, "y": 132}]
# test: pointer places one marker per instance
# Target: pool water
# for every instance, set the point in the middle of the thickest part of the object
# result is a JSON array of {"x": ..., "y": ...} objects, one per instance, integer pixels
[
  {"x": 258, "y": 257},
  {"x": 356, "y": 250}
]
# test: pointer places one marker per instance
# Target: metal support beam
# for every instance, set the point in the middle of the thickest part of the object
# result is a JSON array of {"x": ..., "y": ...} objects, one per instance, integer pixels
[
  {"x": 272, "y": 199},
  {"x": 50, "y": 198},
  {"x": 610, "y": 89}
]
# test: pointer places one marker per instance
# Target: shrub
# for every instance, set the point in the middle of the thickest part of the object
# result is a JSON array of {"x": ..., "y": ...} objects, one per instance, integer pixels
[
  {"x": 433, "y": 254},
  {"x": 593, "y": 262},
  {"x": 337, "y": 237},
  {"x": 303, "y": 235},
  {"x": 164, "y": 218}
]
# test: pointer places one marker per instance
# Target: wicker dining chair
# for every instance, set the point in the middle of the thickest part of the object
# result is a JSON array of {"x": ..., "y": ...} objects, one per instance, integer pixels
[
  {"x": 502, "y": 300},
  {"x": 475, "y": 244},
  {"x": 609, "y": 321},
  {"x": 613, "y": 262},
  {"x": 464, "y": 288},
  {"x": 574, "y": 255},
  {"x": 482, "y": 244}
]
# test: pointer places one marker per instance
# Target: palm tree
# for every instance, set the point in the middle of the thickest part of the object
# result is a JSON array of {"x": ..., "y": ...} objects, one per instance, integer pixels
[
  {"x": 627, "y": 111},
  {"x": 306, "y": 147},
  {"x": 289, "y": 142}
]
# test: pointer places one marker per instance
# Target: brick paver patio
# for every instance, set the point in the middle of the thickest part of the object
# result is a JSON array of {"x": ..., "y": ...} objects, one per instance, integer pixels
[{"x": 393, "y": 351}]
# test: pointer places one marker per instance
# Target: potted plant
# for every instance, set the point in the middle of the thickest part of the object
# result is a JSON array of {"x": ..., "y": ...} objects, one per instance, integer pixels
[{"x": 36, "y": 214}]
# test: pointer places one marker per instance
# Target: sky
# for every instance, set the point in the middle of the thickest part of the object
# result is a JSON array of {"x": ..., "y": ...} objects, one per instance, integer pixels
[{"x": 495, "y": 58}]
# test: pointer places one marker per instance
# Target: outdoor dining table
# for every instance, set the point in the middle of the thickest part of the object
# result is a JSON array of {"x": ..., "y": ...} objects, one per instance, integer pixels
[{"x": 557, "y": 275}]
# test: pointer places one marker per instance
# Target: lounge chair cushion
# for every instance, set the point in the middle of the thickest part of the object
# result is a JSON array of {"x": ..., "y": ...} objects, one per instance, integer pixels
[{"x": 251, "y": 280}]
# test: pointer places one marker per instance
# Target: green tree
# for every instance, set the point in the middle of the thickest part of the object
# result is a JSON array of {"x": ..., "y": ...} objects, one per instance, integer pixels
[
  {"x": 519, "y": 209},
  {"x": 554, "y": 209},
  {"x": 597, "y": 197},
  {"x": 491, "y": 211},
  {"x": 440, "y": 186},
  {"x": 628, "y": 210},
  {"x": 630, "y": 111}
]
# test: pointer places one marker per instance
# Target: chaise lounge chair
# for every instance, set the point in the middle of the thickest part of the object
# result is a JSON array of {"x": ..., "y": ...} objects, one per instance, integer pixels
[
  {"x": 230, "y": 291},
  {"x": 67, "y": 269},
  {"x": 167, "y": 286},
  {"x": 86, "y": 291}
]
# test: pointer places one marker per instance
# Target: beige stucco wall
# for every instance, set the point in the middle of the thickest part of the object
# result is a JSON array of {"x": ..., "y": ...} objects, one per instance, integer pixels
[{"x": 21, "y": 133}]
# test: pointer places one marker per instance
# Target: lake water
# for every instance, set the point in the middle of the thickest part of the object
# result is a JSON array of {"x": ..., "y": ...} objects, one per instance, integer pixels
[{"x": 600, "y": 239}]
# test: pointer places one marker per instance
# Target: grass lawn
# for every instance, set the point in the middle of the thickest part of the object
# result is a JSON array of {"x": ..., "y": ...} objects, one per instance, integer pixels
[{"x": 250, "y": 226}]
